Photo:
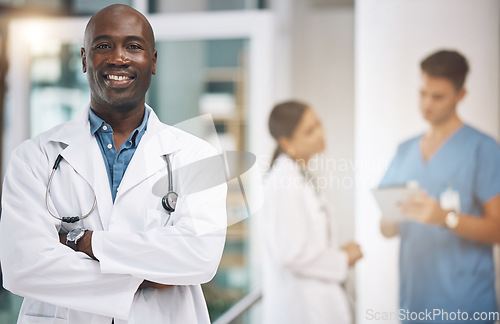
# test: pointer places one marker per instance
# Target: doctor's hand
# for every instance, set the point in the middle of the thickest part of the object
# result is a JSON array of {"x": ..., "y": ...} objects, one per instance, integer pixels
[
  {"x": 62, "y": 238},
  {"x": 424, "y": 209},
  {"x": 155, "y": 285},
  {"x": 389, "y": 228},
  {"x": 353, "y": 251}
]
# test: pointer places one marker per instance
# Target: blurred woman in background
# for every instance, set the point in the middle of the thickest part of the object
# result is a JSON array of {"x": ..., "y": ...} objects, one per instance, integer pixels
[{"x": 304, "y": 268}]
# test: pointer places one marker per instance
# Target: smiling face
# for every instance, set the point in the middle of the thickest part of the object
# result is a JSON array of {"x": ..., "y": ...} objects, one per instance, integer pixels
[{"x": 119, "y": 58}]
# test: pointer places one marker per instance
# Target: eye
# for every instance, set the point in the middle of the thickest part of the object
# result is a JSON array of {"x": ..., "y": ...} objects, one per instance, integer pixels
[
  {"x": 135, "y": 47},
  {"x": 102, "y": 46}
]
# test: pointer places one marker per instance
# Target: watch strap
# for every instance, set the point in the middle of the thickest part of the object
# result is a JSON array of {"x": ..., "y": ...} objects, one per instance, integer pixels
[{"x": 72, "y": 244}]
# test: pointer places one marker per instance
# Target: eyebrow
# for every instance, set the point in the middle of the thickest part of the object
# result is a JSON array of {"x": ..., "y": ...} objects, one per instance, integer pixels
[{"x": 127, "y": 38}]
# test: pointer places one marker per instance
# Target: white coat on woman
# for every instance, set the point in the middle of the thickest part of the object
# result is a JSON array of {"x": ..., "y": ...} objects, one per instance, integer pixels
[
  {"x": 133, "y": 238},
  {"x": 304, "y": 268}
]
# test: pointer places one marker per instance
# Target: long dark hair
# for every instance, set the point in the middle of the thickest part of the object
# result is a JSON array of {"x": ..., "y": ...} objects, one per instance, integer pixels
[{"x": 284, "y": 120}]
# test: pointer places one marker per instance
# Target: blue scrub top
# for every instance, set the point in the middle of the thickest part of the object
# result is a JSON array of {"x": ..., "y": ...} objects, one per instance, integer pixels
[{"x": 439, "y": 269}]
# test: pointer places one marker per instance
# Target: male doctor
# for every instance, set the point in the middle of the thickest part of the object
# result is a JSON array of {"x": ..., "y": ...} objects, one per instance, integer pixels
[
  {"x": 129, "y": 260},
  {"x": 446, "y": 262}
]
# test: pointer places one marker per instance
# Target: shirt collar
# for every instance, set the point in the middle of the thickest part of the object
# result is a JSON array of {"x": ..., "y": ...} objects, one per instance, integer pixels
[
  {"x": 134, "y": 137},
  {"x": 96, "y": 124}
]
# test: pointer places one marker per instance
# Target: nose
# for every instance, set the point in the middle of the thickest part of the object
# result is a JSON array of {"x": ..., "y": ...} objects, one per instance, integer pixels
[
  {"x": 118, "y": 56},
  {"x": 425, "y": 102},
  {"x": 320, "y": 132}
]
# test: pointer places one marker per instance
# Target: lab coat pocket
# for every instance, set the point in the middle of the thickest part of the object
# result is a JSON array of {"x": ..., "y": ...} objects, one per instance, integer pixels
[
  {"x": 156, "y": 218},
  {"x": 34, "y": 311},
  {"x": 32, "y": 319}
]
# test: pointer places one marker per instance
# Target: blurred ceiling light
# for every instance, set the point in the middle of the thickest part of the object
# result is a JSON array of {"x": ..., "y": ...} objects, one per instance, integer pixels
[
  {"x": 33, "y": 31},
  {"x": 36, "y": 33}
]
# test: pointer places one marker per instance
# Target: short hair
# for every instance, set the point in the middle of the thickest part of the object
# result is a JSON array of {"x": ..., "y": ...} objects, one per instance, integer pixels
[{"x": 450, "y": 65}]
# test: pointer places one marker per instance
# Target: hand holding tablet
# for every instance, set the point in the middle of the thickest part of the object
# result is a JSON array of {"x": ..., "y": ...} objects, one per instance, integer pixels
[{"x": 390, "y": 198}]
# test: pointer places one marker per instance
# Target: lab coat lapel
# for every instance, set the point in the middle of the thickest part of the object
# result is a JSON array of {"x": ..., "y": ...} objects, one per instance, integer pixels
[
  {"x": 85, "y": 157},
  {"x": 158, "y": 140}
]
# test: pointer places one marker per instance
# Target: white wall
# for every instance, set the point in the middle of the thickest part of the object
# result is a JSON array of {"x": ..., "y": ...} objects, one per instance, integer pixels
[{"x": 392, "y": 36}]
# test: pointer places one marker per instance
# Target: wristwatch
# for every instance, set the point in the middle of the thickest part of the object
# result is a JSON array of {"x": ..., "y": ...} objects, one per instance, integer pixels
[
  {"x": 451, "y": 220},
  {"x": 74, "y": 236}
]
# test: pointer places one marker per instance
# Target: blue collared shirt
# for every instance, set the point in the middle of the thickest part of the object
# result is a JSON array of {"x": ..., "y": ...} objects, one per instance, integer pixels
[{"x": 116, "y": 161}]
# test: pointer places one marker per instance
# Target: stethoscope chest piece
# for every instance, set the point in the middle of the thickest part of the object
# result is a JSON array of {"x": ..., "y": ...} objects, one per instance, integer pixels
[{"x": 169, "y": 201}]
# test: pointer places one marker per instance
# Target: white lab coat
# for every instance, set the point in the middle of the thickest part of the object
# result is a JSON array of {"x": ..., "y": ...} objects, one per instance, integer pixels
[
  {"x": 131, "y": 238},
  {"x": 303, "y": 268}
]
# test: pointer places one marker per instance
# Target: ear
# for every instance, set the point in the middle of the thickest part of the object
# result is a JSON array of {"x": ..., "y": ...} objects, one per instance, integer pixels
[
  {"x": 461, "y": 94},
  {"x": 84, "y": 60},
  {"x": 155, "y": 57},
  {"x": 285, "y": 143}
]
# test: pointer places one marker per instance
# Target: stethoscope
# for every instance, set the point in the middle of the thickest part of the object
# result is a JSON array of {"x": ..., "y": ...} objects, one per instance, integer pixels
[{"x": 169, "y": 201}]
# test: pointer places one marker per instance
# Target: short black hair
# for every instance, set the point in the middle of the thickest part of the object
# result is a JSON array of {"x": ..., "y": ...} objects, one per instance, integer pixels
[{"x": 450, "y": 65}]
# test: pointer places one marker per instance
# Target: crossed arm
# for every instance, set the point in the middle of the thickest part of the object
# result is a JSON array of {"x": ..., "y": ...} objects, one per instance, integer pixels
[{"x": 85, "y": 245}]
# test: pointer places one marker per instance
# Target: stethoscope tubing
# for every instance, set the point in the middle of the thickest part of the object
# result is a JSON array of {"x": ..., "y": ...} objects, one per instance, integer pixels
[{"x": 73, "y": 219}]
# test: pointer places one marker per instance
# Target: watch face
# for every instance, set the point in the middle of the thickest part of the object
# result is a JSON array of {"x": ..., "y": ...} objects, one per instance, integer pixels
[
  {"x": 451, "y": 220},
  {"x": 74, "y": 234}
]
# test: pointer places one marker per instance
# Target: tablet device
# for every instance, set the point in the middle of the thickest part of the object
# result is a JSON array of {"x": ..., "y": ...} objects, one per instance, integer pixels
[{"x": 390, "y": 198}]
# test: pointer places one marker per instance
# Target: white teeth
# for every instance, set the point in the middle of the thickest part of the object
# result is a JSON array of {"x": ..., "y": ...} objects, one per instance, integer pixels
[{"x": 118, "y": 77}]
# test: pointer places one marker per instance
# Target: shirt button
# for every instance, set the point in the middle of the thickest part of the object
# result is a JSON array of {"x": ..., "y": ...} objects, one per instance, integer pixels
[
  {"x": 104, "y": 127},
  {"x": 110, "y": 146}
]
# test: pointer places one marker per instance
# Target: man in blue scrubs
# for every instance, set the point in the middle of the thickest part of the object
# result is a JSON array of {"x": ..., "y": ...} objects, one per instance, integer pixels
[{"x": 446, "y": 261}]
